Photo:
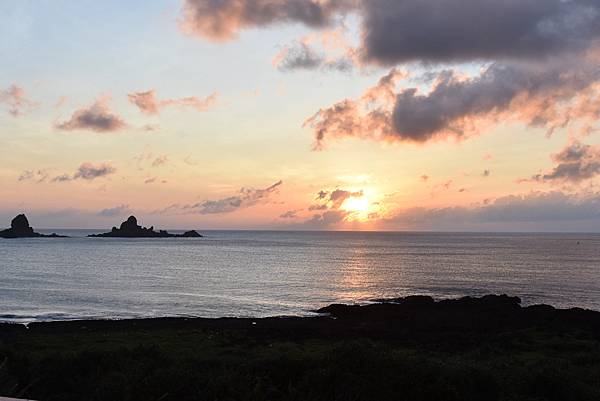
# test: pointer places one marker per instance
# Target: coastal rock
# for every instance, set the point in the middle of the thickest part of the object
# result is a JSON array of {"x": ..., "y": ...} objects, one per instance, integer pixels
[
  {"x": 191, "y": 234},
  {"x": 130, "y": 229},
  {"x": 20, "y": 228}
]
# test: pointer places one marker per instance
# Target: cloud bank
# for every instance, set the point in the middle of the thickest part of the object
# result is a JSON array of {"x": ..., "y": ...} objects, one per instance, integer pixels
[
  {"x": 536, "y": 210},
  {"x": 464, "y": 30}
]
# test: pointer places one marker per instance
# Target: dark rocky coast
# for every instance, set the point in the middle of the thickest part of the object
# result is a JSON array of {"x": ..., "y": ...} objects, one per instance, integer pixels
[
  {"x": 130, "y": 229},
  {"x": 412, "y": 348}
]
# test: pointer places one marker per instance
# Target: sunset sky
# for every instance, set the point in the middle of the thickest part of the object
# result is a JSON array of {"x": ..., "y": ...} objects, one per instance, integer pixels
[{"x": 301, "y": 114}]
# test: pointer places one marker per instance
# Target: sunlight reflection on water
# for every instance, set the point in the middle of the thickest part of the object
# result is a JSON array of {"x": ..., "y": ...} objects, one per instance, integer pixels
[{"x": 231, "y": 273}]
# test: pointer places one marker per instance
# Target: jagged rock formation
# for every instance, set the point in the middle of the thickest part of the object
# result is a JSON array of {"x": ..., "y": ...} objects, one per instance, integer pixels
[
  {"x": 20, "y": 228},
  {"x": 130, "y": 229}
]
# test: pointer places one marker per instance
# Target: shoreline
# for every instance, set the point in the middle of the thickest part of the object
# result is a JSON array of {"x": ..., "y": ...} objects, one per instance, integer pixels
[
  {"x": 306, "y": 314},
  {"x": 413, "y": 348},
  {"x": 367, "y": 310}
]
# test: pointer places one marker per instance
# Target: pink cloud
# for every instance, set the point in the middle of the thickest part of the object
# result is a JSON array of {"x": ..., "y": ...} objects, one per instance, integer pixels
[
  {"x": 147, "y": 102},
  {"x": 16, "y": 99}
]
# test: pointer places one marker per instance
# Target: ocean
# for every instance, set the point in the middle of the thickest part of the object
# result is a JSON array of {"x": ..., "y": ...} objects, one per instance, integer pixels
[{"x": 263, "y": 273}]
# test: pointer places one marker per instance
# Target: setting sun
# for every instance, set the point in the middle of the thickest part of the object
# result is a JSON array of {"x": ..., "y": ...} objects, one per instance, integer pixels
[{"x": 358, "y": 204}]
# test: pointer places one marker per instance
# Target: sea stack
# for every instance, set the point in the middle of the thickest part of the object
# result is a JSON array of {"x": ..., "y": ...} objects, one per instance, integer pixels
[
  {"x": 130, "y": 229},
  {"x": 20, "y": 228}
]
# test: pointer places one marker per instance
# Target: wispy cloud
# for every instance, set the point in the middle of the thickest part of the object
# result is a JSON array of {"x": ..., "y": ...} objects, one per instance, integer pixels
[
  {"x": 38, "y": 176},
  {"x": 246, "y": 197},
  {"x": 290, "y": 214},
  {"x": 147, "y": 102},
  {"x": 301, "y": 56},
  {"x": 115, "y": 211},
  {"x": 15, "y": 98},
  {"x": 87, "y": 171}
]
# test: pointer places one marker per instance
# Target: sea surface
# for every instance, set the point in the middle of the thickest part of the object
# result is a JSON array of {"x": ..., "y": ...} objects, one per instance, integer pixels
[{"x": 261, "y": 273}]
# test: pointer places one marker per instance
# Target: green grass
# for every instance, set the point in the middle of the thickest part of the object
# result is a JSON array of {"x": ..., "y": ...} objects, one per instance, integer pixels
[{"x": 229, "y": 364}]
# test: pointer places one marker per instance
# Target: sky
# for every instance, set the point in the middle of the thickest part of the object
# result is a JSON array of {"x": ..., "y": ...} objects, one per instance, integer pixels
[{"x": 449, "y": 115}]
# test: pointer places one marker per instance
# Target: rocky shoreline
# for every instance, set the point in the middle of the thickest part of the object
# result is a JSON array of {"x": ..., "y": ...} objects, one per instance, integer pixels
[
  {"x": 411, "y": 348},
  {"x": 381, "y": 317}
]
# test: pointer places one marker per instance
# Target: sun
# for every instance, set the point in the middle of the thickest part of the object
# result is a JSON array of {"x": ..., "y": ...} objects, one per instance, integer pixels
[{"x": 356, "y": 204}]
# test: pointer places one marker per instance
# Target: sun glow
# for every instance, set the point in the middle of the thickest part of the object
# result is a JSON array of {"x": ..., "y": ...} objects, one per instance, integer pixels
[{"x": 356, "y": 204}]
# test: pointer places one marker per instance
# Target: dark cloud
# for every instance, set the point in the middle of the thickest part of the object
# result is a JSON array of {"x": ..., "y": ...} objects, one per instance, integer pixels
[
  {"x": 115, "y": 211},
  {"x": 540, "y": 68},
  {"x": 147, "y": 102},
  {"x": 486, "y": 173},
  {"x": 246, "y": 197},
  {"x": 548, "y": 211},
  {"x": 87, "y": 171},
  {"x": 549, "y": 95},
  {"x": 98, "y": 118},
  {"x": 575, "y": 163},
  {"x": 16, "y": 100},
  {"x": 399, "y": 31},
  {"x": 221, "y": 20}
]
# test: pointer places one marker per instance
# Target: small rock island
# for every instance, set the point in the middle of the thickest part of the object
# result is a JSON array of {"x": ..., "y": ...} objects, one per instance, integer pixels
[
  {"x": 130, "y": 229},
  {"x": 20, "y": 228}
]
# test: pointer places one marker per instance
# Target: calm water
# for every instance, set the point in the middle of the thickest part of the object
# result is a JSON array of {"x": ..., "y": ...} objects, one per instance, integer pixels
[{"x": 232, "y": 273}]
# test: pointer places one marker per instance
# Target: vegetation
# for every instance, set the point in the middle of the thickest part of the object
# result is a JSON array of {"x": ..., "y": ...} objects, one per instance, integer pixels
[{"x": 348, "y": 358}]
